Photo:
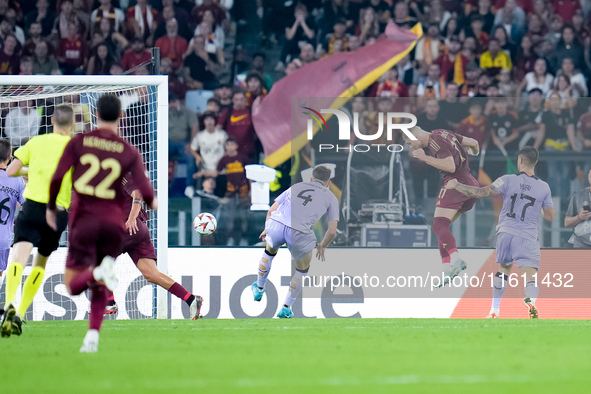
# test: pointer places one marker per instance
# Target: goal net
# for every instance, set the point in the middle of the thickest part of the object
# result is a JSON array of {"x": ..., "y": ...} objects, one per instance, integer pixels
[{"x": 27, "y": 104}]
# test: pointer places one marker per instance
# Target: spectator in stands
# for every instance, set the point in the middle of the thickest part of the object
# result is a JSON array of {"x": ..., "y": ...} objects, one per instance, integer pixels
[
  {"x": 525, "y": 59},
  {"x": 218, "y": 12},
  {"x": 301, "y": 28},
  {"x": 182, "y": 127},
  {"x": 563, "y": 88},
  {"x": 369, "y": 25},
  {"x": 214, "y": 40},
  {"x": 507, "y": 86},
  {"x": 568, "y": 46},
  {"x": 237, "y": 122},
  {"x": 307, "y": 55},
  {"x": 199, "y": 69},
  {"x": 485, "y": 13},
  {"x": 436, "y": 14},
  {"x": 476, "y": 31},
  {"x": 389, "y": 86},
  {"x": 433, "y": 85},
  {"x": 507, "y": 31},
  {"x": 566, "y": 9},
  {"x": 179, "y": 13},
  {"x": 34, "y": 39},
  {"x": 475, "y": 125},
  {"x": 577, "y": 80},
  {"x": 175, "y": 85},
  {"x": 536, "y": 28},
  {"x": 100, "y": 61},
  {"x": 212, "y": 107},
  {"x": 431, "y": 118},
  {"x": 402, "y": 17},
  {"x": 26, "y": 66},
  {"x": 68, "y": 14},
  {"x": 451, "y": 109},
  {"x": 22, "y": 123},
  {"x": 255, "y": 88},
  {"x": 339, "y": 34},
  {"x": 114, "y": 15},
  {"x": 207, "y": 147},
  {"x": 451, "y": 28},
  {"x": 428, "y": 47},
  {"x": 168, "y": 13},
  {"x": 557, "y": 130},
  {"x": 495, "y": 59},
  {"x": 6, "y": 30},
  {"x": 43, "y": 15},
  {"x": 136, "y": 54},
  {"x": 582, "y": 29},
  {"x": 506, "y": 42},
  {"x": 578, "y": 215},
  {"x": 257, "y": 65},
  {"x": 11, "y": 18},
  {"x": 515, "y": 14},
  {"x": 452, "y": 62},
  {"x": 407, "y": 73},
  {"x": 470, "y": 48},
  {"x": 9, "y": 57},
  {"x": 171, "y": 45},
  {"x": 531, "y": 117},
  {"x": 43, "y": 62},
  {"x": 470, "y": 87},
  {"x": 503, "y": 124},
  {"x": 142, "y": 21},
  {"x": 115, "y": 41},
  {"x": 224, "y": 96},
  {"x": 237, "y": 190},
  {"x": 540, "y": 78}
]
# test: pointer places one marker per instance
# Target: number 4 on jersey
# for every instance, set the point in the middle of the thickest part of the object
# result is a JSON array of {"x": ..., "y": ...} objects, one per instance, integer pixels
[{"x": 306, "y": 198}]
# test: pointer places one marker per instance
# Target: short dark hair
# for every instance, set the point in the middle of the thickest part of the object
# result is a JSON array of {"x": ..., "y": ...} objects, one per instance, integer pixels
[
  {"x": 259, "y": 54},
  {"x": 321, "y": 173},
  {"x": 535, "y": 90},
  {"x": 5, "y": 149},
  {"x": 210, "y": 114},
  {"x": 109, "y": 107},
  {"x": 214, "y": 100},
  {"x": 530, "y": 155},
  {"x": 254, "y": 75},
  {"x": 63, "y": 115}
]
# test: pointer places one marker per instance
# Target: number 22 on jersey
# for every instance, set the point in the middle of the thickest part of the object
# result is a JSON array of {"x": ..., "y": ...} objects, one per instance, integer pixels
[{"x": 103, "y": 189}]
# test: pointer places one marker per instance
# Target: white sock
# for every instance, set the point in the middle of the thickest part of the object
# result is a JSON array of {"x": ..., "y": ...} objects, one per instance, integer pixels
[
  {"x": 499, "y": 286},
  {"x": 264, "y": 269},
  {"x": 455, "y": 256},
  {"x": 295, "y": 287},
  {"x": 532, "y": 290}
]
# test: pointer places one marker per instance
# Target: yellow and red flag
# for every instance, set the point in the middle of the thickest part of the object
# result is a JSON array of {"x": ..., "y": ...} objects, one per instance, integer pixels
[{"x": 341, "y": 76}]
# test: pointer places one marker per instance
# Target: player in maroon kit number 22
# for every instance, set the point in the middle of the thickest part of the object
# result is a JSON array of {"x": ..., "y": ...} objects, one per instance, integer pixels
[
  {"x": 99, "y": 160},
  {"x": 449, "y": 154}
]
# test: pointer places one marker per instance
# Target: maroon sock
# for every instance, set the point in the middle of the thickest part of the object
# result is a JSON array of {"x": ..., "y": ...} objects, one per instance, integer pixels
[
  {"x": 182, "y": 293},
  {"x": 445, "y": 238},
  {"x": 81, "y": 282},
  {"x": 98, "y": 303}
]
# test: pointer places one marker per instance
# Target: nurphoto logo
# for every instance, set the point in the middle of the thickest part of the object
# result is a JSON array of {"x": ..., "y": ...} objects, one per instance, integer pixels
[{"x": 392, "y": 120}]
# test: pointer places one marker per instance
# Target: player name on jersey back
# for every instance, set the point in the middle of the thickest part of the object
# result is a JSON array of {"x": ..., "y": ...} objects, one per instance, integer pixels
[{"x": 303, "y": 204}]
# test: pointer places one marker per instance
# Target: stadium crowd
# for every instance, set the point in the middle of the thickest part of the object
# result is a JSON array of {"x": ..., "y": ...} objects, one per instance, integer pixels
[{"x": 507, "y": 72}]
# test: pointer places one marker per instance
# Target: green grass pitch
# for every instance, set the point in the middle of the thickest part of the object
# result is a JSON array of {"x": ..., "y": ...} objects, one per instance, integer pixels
[{"x": 302, "y": 356}]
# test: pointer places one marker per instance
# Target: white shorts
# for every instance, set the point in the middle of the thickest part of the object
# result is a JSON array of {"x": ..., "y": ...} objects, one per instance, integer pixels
[{"x": 298, "y": 243}]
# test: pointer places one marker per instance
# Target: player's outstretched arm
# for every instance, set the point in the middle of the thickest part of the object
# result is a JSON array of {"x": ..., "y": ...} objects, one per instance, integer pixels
[
  {"x": 15, "y": 168},
  {"x": 471, "y": 146},
  {"x": 472, "y": 191},
  {"x": 328, "y": 237},
  {"x": 131, "y": 224}
]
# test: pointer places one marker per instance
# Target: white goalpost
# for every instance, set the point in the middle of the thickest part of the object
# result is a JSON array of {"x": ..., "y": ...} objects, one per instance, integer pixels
[{"x": 26, "y": 106}]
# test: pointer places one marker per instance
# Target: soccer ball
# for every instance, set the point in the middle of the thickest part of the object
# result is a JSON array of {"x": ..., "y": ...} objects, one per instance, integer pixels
[{"x": 205, "y": 223}]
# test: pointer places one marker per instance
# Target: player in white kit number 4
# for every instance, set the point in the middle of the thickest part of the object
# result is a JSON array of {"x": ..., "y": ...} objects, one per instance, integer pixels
[
  {"x": 525, "y": 196},
  {"x": 290, "y": 220}
]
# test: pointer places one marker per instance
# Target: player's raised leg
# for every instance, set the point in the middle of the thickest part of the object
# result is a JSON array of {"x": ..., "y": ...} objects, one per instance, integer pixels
[
  {"x": 450, "y": 257},
  {"x": 14, "y": 273},
  {"x": 150, "y": 271}
]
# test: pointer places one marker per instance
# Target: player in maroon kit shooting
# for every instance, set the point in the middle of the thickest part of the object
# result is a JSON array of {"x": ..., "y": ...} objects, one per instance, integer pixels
[
  {"x": 98, "y": 160},
  {"x": 138, "y": 245},
  {"x": 449, "y": 154}
]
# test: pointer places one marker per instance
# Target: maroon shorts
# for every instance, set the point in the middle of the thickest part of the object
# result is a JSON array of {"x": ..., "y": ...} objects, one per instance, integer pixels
[
  {"x": 91, "y": 240},
  {"x": 453, "y": 199},
  {"x": 139, "y": 246}
]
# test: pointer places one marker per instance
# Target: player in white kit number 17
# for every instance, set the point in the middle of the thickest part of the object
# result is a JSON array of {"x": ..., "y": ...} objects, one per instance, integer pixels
[
  {"x": 525, "y": 196},
  {"x": 290, "y": 220}
]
